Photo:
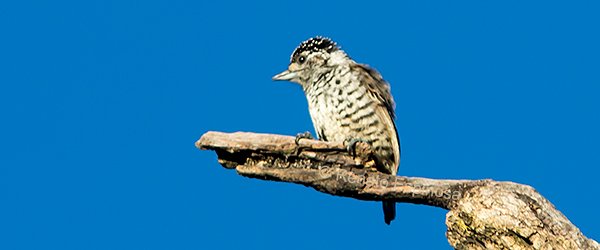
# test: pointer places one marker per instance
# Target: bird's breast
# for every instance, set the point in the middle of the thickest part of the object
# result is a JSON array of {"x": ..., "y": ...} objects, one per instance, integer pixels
[{"x": 341, "y": 108}]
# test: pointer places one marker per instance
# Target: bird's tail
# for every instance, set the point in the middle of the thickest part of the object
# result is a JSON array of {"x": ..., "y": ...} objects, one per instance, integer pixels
[{"x": 389, "y": 211}]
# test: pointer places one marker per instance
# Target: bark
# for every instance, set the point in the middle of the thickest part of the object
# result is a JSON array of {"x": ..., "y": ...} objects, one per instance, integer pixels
[{"x": 483, "y": 214}]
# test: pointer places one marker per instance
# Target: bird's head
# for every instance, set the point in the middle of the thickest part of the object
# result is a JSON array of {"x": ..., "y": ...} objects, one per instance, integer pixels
[{"x": 312, "y": 57}]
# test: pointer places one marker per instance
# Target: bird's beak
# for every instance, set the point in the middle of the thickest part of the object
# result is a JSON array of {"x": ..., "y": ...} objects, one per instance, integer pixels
[{"x": 285, "y": 76}]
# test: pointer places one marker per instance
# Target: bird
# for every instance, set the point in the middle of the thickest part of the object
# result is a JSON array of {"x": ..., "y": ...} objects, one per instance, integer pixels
[{"x": 348, "y": 102}]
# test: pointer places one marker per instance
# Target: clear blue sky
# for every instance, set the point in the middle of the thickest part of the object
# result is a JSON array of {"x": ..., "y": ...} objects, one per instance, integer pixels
[{"x": 102, "y": 102}]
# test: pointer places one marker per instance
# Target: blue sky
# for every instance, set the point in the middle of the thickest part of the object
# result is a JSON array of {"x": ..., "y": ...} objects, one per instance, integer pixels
[{"x": 102, "y": 102}]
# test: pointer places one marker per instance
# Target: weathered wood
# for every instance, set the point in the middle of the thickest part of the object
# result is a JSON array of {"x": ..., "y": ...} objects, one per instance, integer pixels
[{"x": 483, "y": 214}]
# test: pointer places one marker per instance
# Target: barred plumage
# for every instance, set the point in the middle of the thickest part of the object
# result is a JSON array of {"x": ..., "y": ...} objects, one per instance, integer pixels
[{"x": 346, "y": 101}]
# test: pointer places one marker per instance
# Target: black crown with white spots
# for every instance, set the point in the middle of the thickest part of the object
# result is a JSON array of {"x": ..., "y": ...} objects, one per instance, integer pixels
[{"x": 316, "y": 44}]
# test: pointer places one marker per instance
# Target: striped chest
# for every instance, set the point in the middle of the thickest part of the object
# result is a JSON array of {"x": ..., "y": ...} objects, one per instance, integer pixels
[{"x": 341, "y": 108}]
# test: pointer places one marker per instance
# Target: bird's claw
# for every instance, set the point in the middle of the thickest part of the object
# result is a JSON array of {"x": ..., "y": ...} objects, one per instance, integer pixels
[
  {"x": 305, "y": 135},
  {"x": 351, "y": 145}
]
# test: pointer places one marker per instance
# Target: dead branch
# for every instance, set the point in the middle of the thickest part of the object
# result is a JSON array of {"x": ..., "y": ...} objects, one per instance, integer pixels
[{"x": 483, "y": 214}]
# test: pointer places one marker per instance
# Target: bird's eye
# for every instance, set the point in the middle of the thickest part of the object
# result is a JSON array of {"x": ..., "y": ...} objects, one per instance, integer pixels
[{"x": 301, "y": 59}]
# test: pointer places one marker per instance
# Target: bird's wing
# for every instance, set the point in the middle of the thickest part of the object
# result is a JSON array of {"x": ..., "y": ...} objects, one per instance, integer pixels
[
  {"x": 378, "y": 87},
  {"x": 380, "y": 91}
]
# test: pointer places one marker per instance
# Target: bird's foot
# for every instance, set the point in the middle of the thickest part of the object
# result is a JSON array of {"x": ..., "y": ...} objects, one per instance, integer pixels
[
  {"x": 351, "y": 144},
  {"x": 305, "y": 135}
]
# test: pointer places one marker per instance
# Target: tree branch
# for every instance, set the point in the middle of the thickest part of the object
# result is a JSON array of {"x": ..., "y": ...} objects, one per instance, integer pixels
[{"x": 483, "y": 214}]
